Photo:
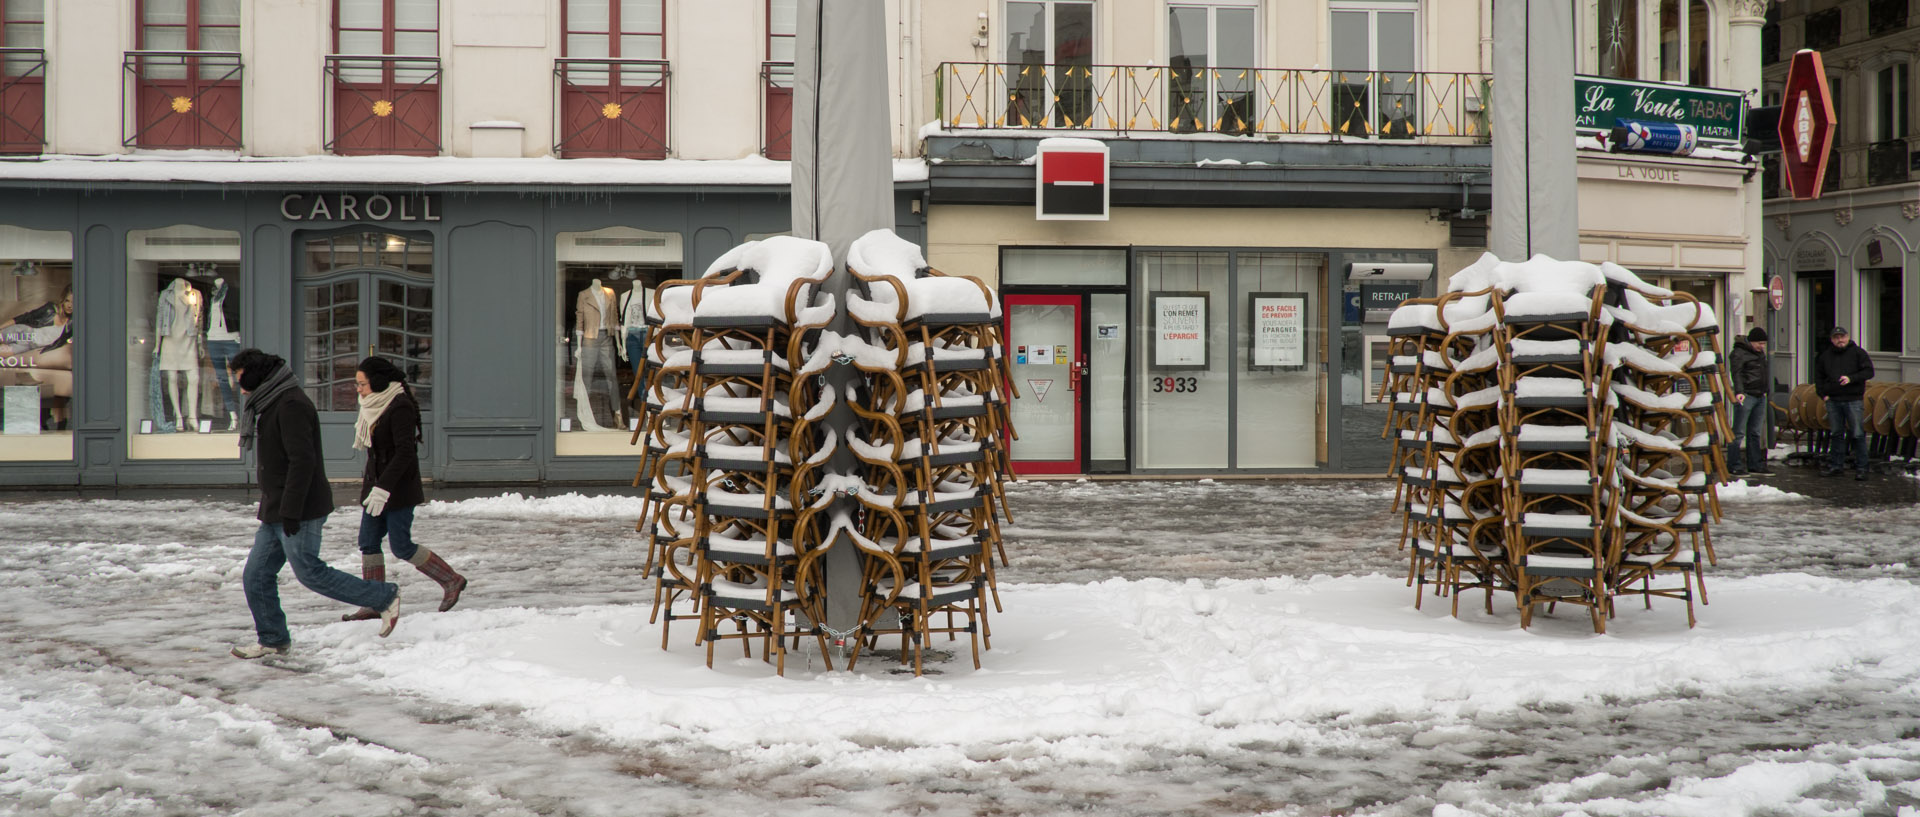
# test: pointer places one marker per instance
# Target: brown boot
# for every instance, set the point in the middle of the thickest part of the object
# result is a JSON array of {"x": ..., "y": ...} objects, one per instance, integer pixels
[
  {"x": 437, "y": 569},
  {"x": 373, "y": 568}
]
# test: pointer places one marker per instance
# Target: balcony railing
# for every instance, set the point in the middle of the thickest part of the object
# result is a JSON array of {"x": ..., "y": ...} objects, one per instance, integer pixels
[
  {"x": 23, "y": 100},
  {"x": 1887, "y": 162},
  {"x": 1236, "y": 101},
  {"x": 611, "y": 108},
  {"x": 184, "y": 99},
  {"x": 776, "y": 110},
  {"x": 383, "y": 105}
]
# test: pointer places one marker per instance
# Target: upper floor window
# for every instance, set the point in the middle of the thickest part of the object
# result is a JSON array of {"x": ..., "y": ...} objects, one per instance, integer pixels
[
  {"x": 1885, "y": 15},
  {"x": 408, "y": 28},
  {"x": 23, "y": 24},
  {"x": 1049, "y": 48},
  {"x": 783, "y": 28},
  {"x": 188, "y": 25},
  {"x": 1684, "y": 46},
  {"x": 1376, "y": 48},
  {"x": 1890, "y": 103},
  {"x": 1823, "y": 30},
  {"x": 1204, "y": 35},
  {"x": 615, "y": 29},
  {"x": 1619, "y": 32}
]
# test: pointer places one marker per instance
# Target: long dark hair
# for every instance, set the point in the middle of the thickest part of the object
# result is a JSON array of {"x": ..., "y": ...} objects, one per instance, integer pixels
[{"x": 381, "y": 373}]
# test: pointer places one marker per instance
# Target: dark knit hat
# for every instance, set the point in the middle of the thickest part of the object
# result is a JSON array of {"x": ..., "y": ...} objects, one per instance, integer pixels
[
  {"x": 255, "y": 366},
  {"x": 381, "y": 372},
  {"x": 1756, "y": 335}
]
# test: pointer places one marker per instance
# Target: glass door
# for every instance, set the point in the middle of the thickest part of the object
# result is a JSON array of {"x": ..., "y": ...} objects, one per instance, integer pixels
[
  {"x": 359, "y": 295},
  {"x": 1048, "y": 369}
]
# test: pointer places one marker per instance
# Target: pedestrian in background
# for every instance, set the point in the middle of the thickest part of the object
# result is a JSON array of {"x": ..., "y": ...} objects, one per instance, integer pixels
[
  {"x": 1752, "y": 379},
  {"x": 1840, "y": 375},
  {"x": 279, "y": 424},
  {"x": 388, "y": 429}
]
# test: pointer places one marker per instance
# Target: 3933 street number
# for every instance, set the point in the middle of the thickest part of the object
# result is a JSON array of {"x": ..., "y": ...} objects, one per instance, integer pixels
[{"x": 1176, "y": 385}]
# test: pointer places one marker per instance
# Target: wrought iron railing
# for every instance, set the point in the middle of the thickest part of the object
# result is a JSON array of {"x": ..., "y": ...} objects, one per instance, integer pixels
[
  {"x": 776, "y": 110},
  {"x": 610, "y": 108},
  {"x": 184, "y": 99},
  {"x": 1237, "y": 101},
  {"x": 383, "y": 104},
  {"x": 1884, "y": 16},
  {"x": 23, "y": 100},
  {"x": 1887, "y": 162}
]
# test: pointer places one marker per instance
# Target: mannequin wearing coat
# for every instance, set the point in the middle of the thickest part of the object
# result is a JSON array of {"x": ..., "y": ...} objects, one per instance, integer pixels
[
  {"x": 177, "y": 337},
  {"x": 596, "y": 330}
]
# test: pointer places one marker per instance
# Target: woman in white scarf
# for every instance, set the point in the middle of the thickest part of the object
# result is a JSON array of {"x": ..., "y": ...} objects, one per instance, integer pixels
[{"x": 388, "y": 429}]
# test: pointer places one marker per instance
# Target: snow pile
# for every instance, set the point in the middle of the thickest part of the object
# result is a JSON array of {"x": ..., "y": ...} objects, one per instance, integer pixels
[{"x": 1556, "y": 428}]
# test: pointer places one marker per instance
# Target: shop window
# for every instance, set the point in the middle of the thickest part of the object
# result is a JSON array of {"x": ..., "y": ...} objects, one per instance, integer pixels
[
  {"x": 1279, "y": 350},
  {"x": 37, "y": 325},
  {"x": 601, "y": 288},
  {"x": 1183, "y": 370},
  {"x": 1619, "y": 38},
  {"x": 183, "y": 325},
  {"x": 1881, "y": 300}
]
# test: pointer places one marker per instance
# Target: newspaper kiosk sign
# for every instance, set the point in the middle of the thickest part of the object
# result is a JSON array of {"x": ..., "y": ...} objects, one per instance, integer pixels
[{"x": 1806, "y": 125}]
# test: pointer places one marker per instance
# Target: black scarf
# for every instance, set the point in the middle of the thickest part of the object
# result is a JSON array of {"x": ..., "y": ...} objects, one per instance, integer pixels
[{"x": 273, "y": 388}]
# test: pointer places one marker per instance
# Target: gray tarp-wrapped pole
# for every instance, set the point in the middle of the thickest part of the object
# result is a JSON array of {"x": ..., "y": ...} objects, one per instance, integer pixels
[
  {"x": 1535, "y": 209},
  {"x": 842, "y": 188}
]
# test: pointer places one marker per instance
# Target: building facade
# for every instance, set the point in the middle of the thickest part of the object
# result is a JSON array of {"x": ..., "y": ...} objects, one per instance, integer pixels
[
  {"x": 482, "y": 189},
  {"x": 1847, "y": 257}
]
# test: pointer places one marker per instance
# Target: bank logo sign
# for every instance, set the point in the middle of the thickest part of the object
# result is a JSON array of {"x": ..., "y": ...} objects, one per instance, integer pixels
[{"x": 1718, "y": 115}]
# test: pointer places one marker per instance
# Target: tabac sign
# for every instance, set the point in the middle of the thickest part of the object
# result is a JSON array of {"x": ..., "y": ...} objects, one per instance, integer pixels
[
  {"x": 1806, "y": 125},
  {"x": 1718, "y": 115}
]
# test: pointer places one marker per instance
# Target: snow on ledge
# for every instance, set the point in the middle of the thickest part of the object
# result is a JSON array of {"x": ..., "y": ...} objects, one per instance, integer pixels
[{"x": 226, "y": 167}]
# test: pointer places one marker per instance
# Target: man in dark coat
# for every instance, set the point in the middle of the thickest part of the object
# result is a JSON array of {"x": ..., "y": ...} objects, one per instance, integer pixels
[
  {"x": 281, "y": 426},
  {"x": 1747, "y": 364},
  {"x": 1840, "y": 375}
]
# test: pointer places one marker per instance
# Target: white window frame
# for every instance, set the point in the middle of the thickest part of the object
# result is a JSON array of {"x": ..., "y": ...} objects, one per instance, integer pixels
[
  {"x": 1876, "y": 77},
  {"x": 1213, "y": 8},
  {"x": 1052, "y": 7},
  {"x": 1373, "y": 10},
  {"x": 1650, "y": 10}
]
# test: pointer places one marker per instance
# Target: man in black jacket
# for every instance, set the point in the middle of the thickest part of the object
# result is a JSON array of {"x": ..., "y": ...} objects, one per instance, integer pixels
[
  {"x": 1840, "y": 375},
  {"x": 1747, "y": 363},
  {"x": 281, "y": 426}
]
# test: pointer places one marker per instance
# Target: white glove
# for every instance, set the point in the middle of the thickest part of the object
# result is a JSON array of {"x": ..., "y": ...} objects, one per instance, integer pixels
[{"x": 376, "y": 501}]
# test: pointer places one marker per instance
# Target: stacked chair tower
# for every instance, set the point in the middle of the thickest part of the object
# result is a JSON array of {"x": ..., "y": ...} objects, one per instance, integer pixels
[
  {"x": 1557, "y": 430},
  {"x": 749, "y": 484}
]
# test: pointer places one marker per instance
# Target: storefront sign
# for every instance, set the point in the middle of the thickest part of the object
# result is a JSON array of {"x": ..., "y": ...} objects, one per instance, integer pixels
[
  {"x": 359, "y": 207},
  {"x": 1813, "y": 256},
  {"x": 1280, "y": 328},
  {"x": 1180, "y": 330},
  {"x": 1599, "y": 102},
  {"x": 1070, "y": 180},
  {"x": 1648, "y": 173}
]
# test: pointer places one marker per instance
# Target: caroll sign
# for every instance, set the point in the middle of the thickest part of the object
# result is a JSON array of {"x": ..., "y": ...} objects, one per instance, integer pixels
[{"x": 1806, "y": 125}]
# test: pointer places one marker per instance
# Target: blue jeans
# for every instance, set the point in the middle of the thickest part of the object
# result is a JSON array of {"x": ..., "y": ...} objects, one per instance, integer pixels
[
  {"x": 221, "y": 352},
  {"x": 1750, "y": 432},
  {"x": 396, "y": 525},
  {"x": 274, "y": 549},
  {"x": 1847, "y": 420}
]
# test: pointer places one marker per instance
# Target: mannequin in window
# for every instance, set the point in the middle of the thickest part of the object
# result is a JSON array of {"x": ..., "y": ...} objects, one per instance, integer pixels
[
  {"x": 596, "y": 330},
  {"x": 177, "y": 340},
  {"x": 633, "y": 348},
  {"x": 221, "y": 317}
]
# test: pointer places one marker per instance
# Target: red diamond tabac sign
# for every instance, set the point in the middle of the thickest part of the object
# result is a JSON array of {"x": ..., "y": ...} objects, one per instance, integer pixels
[{"x": 1806, "y": 125}]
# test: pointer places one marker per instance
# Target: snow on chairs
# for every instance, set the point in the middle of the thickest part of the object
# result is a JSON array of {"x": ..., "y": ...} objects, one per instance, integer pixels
[{"x": 1559, "y": 438}]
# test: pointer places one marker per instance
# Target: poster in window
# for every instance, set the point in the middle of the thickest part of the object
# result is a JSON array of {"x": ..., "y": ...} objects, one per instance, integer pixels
[
  {"x": 1179, "y": 330},
  {"x": 1279, "y": 322}
]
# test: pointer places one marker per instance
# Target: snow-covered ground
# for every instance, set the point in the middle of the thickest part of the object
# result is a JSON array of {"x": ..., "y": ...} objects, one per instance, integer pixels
[{"x": 1181, "y": 648}]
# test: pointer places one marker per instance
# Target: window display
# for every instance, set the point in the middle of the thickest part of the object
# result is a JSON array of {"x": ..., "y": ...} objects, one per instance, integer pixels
[
  {"x": 604, "y": 280},
  {"x": 36, "y": 344},
  {"x": 183, "y": 325}
]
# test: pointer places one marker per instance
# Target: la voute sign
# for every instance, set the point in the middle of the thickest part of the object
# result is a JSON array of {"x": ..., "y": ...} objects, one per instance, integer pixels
[{"x": 1806, "y": 125}]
